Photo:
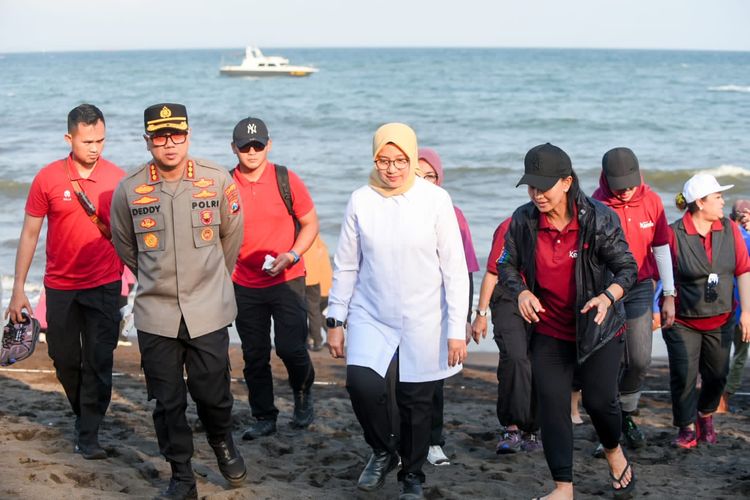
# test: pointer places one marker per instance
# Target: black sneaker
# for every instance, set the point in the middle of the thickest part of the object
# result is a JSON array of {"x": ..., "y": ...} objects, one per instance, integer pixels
[
  {"x": 179, "y": 490},
  {"x": 260, "y": 428},
  {"x": 411, "y": 488},
  {"x": 304, "y": 413},
  {"x": 91, "y": 451},
  {"x": 633, "y": 435}
]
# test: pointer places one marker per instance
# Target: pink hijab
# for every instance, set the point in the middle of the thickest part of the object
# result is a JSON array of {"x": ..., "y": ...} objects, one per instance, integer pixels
[{"x": 430, "y": 156}]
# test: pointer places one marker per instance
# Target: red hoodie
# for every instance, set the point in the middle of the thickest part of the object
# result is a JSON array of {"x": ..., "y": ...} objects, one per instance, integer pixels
[{"x": 643, "y": 221}]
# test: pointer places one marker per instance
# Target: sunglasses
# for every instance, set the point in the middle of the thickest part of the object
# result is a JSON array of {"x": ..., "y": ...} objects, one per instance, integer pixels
[
  {"x": 712, "y": 282},
  {"x": 257, "y": 146},
  {"x": 161, "y": 139}
]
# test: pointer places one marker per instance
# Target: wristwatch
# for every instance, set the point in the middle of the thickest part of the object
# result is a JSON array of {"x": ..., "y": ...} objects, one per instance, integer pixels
[
  {"x": 669, "y": 293},
  {"x": 333, "y": 323},
  {"x": 483, "y": 312}
]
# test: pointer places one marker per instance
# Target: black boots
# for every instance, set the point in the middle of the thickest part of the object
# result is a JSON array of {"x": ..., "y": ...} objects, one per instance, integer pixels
[
  {"x": 304, "y": 413},
  {"x": 377, "y": 468},
  {"x": 231, "y": 463},
  {"x": 182, "y": 484}
]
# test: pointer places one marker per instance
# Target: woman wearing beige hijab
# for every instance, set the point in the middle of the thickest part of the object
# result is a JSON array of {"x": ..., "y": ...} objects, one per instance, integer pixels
[{"x": 400, "y": 284}]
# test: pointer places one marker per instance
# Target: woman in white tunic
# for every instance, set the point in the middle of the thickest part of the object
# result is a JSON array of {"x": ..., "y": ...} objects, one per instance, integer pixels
[{"x": 400, "y": 284}]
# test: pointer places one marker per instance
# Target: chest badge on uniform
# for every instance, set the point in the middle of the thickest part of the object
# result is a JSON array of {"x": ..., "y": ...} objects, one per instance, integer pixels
[
  {"x": 144, "y": 189},
  {"x": 148, "y": 223},
  {"x": 150, "y": 240},
  {"x": 145, "y": 200},
  {"x": 203, "y": 182},
  {"x": 205, "y": 193},
  {"x": 207, "y": 234},
  {"x": 207, "y": 217}
]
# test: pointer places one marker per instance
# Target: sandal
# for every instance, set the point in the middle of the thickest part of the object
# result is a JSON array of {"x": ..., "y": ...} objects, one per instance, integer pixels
[{"x": 624, "y": 492}]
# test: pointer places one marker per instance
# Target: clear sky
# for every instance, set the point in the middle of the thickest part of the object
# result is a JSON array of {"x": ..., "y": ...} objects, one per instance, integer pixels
[{"x": 59, "y": 25}]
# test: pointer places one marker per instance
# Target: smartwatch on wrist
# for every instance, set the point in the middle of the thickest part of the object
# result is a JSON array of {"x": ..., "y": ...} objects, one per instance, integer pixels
[
  {"x": 482, "y": 312},
  {"x": 333, "y": 323},
  {"x": 295, "y": 255},
  {"x": 609, "y": 295}
]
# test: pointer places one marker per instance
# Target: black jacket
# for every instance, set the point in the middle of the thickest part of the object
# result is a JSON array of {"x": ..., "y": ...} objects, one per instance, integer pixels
[{"x": 603, "y": 258}]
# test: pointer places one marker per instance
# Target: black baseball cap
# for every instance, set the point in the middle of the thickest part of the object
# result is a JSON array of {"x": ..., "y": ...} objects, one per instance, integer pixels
[
  {"x": 544, "y": 165},
  {"x": 620, "y": 167},
  {"x": 165, "y": 115},
  {"x": 250, "y": 130}
]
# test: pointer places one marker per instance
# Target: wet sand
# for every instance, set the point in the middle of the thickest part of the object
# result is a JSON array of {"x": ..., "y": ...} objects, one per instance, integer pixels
[{"x": 37, "y": 438}]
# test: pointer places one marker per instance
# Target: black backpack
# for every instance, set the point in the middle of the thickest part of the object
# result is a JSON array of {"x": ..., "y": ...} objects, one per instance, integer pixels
[{"x": 282, "y": 180}]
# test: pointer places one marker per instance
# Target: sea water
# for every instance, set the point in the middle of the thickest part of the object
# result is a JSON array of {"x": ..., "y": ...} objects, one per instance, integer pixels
[{"x": 481, "y": 109}]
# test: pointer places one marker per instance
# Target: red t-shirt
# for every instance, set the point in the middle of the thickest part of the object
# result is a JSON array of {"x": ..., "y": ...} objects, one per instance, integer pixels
[
  {"x": 498, "y": 244},
  {"x": 741, "y": 266},
  {"x": 78, "y": 256},
  {"x": 645, "y": 226},
  {"x": 269, "y": 229},
  {"x": 555, "y": 260}
]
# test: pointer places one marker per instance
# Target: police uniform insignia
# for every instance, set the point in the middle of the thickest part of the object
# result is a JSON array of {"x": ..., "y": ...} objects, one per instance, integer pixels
[
  {"x": 153, "y": 174},
  {"x": 150, "y": 240},
  {"x": 203, "y": 182},
  {"x": 143, "y": 189},
  {"x": 145, "y": 200},
  {"x": 205, "y": 193},
  {"x": 165, "y": 112},
  {"x": 207, "y": 234},
  {"x": 207, "y": 217},
  {"x": 232, "y": 197},
  {"x": 190, "y": 171},
  {"x": 148, "y": 223}
]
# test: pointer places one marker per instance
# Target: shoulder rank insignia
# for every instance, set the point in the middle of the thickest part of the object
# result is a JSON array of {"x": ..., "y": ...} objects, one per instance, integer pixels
[
  {"x": 143, "y": 189},
  {"x": 203, "y": 182},
  {"x": 205, "y": 193},
  {"x": 145, "y": 200},
  {"x": 190, "y": 170},
  {"x": 207, "y": 234},
  {"x": 150, "y": 240},
  {"x": 147, "y": 223},
  {"x": 153, "y": 173}
]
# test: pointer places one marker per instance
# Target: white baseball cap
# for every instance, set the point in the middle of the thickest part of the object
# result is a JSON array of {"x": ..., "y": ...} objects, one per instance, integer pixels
[{"x": 701, "y": 185}]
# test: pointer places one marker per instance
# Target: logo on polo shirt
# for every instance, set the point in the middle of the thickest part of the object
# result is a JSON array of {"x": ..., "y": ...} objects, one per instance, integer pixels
[
  {"x": 573, "y": 254},
  {"x": 66, "y": 195},
  {"x": 647, "y": 224}
]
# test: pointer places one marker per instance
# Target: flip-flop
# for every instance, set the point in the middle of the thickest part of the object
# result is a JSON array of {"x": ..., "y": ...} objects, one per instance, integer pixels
[{"x": 623, "y": 492}]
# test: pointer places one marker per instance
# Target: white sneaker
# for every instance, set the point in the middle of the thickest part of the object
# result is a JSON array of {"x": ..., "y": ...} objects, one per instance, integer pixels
[{"x": 436, "y": 456}]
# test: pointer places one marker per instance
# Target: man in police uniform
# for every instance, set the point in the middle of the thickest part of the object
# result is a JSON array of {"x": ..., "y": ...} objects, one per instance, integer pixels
[{"x": 177, "y": 224}]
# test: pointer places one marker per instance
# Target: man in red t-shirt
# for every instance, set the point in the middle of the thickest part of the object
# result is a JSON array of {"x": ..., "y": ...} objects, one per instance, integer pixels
[
  {"x": 269, "y": 279},
  {"x": 83, "y": 271}
]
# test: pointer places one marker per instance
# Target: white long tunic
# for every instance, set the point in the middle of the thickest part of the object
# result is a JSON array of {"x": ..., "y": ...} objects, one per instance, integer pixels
[{"x": 401, "y": 282}]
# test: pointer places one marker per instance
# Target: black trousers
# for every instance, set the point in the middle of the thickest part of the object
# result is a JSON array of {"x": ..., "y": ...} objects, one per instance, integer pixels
[
  {"x": 206, "y": 361},
  {"x": 691, "y": 351},
  {"x": 553, "y": 363},
  {"x": 82, "y": 330},
  {"x": 314, "y": 313},
  {"x": 255, "y": 308},
  {"x": 395, "y": 416},
  {"x": 516, "y": 397},
  {"x": 436, "y": 425}
]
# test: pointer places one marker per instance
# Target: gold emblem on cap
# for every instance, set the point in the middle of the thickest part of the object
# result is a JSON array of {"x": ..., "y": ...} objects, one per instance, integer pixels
[{"x": 165, "y": 112}]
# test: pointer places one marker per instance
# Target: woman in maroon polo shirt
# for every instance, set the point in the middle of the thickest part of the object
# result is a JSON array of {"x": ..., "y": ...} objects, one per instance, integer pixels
[
  {"x": 642, "y": 218},
  {"x": 699, "y": 340},
  {"x": 577, "y": 266}
]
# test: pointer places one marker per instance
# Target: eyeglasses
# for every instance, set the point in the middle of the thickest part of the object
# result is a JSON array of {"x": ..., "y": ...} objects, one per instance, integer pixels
[
  {"x": 385, "y": 163},
  {"x": 431, "y": 177},
  {"x": 257, "y": 146},
  {"x": 712, "y": 282},
  {"x": 161, "y": 139}
]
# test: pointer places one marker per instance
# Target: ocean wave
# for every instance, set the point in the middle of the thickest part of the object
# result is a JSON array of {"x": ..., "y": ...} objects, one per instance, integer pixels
[
  {"x": 14, "y": 189},
  {"x": 727, "y": 171},
  {"x": 731, "y": 88}
]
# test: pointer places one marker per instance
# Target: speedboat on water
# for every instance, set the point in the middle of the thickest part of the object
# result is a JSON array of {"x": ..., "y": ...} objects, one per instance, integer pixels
[{"x": 256, "y": 64}]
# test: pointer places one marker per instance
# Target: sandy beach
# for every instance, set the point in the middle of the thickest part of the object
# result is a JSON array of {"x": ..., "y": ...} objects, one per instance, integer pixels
[{"x": 37, "y": 459}]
